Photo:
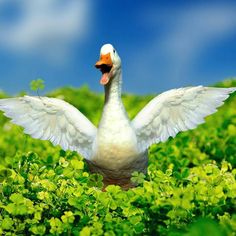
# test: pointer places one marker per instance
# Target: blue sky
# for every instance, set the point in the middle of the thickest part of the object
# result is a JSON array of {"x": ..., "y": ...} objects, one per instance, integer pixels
[{"x": 162, "y": 44}]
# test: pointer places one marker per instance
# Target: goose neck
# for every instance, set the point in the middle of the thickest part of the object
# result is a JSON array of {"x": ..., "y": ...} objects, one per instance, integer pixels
[{"x": 113, "y": 89}]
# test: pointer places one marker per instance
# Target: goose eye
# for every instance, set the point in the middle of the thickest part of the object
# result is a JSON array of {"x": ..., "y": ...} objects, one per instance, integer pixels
[{"x": 114, "y": 51}]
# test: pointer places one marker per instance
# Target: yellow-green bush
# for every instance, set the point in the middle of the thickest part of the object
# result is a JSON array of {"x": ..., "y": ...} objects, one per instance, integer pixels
[{"x": 190, "y": 188}]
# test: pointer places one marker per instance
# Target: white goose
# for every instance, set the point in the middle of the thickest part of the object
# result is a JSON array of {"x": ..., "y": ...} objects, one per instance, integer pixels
[{"x": 118, "y": 146}]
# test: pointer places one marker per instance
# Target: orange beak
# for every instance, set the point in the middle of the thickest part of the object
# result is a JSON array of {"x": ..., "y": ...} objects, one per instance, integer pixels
[{"x": 104, "y": 60}]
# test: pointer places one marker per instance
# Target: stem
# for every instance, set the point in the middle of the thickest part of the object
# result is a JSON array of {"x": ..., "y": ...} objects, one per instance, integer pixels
[{"x": 38, "y": 92}]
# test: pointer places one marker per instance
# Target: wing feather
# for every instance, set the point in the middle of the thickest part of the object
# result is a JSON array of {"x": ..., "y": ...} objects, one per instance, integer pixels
[
  {"x": 176, "y": 110},
  {"x": 52, "y": 119}
]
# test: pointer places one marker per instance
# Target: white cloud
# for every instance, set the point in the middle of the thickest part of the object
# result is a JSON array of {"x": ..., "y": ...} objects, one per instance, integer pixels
[
  {"x": 196, "y": 29},
  {"x": 46, "y": 27},
  {"x": 185, "y": 34}
]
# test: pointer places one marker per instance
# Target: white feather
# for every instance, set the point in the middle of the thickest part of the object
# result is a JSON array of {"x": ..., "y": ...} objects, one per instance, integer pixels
[
  {"x": 52, "y": 119},
  {"x": 176, "y": 110}
]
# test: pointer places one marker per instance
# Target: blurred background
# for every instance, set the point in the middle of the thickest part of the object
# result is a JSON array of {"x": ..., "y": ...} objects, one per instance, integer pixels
[{"x": 162, "y": 44}]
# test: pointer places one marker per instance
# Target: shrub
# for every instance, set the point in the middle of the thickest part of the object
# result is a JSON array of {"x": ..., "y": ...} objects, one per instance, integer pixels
[{"x": 190, "y": 187}]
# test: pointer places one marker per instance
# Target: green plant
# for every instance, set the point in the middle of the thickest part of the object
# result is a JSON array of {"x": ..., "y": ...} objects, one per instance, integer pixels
[
  {"x": 190, "y": 187},
  {"x": 36, "y": 85}
]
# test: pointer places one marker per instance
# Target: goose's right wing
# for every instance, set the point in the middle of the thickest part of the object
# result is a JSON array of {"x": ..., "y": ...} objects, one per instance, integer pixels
[
  {"x": 52, "y": 119},
  {"x": 176, "y": 110}
]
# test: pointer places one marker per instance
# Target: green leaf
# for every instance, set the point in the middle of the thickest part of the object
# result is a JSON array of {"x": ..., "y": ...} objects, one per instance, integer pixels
[
  {"x": 5, "y": 174},
  {"x": 17, "y": 198},
  {"x": 85, "y": 231},
  {"x": 68, "y": 217},
  {"x": 135, "y": 219},
  {"x": 38, "y": 229},
  {"x": 7, "y": 223},
  {"x": 37, "y": 84},
  {"x": 185, "y": 173},
  {"x": 56, "y": 226},
  {"x": 16, "y": 209},
  {"x": 76, "y": 164},
  {"x": 205, "y": 227},
  {"x": 139, "y": 228},
  {"x": 137, "y": 177}
]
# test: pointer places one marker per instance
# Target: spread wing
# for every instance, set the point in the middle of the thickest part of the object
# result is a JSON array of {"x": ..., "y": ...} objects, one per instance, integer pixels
[
  {"x": 176, "y": 110},
  {"x": 52, "y": 119}
]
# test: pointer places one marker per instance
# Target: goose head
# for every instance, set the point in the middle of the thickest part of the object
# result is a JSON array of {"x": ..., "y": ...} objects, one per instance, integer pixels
[{"x": 109, "y": 63}]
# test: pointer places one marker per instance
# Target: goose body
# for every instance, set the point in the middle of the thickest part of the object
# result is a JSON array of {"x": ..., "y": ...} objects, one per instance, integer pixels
[{"x": 118, "y": 147}]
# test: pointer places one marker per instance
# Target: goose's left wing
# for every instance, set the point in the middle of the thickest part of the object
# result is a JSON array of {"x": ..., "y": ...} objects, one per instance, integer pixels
[
  {"x": 176, "y": 110},
  {"x": 52, "y": 119}
]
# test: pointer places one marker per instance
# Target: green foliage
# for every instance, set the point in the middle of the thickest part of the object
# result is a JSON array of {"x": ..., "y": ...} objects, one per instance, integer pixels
[
  {"x": 37, "y": 84},
  {"x": 190, "y": 187},
  {"x": 137, "y": 177}
]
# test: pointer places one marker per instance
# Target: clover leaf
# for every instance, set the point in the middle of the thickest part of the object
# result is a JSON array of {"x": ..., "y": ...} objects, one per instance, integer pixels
[{"x": 37, "y": 84}]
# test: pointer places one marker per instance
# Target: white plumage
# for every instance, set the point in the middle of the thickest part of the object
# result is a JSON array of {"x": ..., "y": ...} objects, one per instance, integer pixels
[
  {"x": 176, "y": 110},
  {"x": 52, "y": 119},
  {"x": 118, "y": 146}
]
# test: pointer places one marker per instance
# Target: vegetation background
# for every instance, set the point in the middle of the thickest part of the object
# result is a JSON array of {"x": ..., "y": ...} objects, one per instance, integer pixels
[{"x": 190, "y": 188}]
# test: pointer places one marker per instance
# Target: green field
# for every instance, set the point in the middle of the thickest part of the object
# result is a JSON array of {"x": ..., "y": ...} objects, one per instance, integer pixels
[{"x": 190, "y": 188}]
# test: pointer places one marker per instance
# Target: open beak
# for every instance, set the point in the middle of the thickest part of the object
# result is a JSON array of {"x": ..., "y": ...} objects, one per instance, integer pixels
[{"x": 104, "y": 64}]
